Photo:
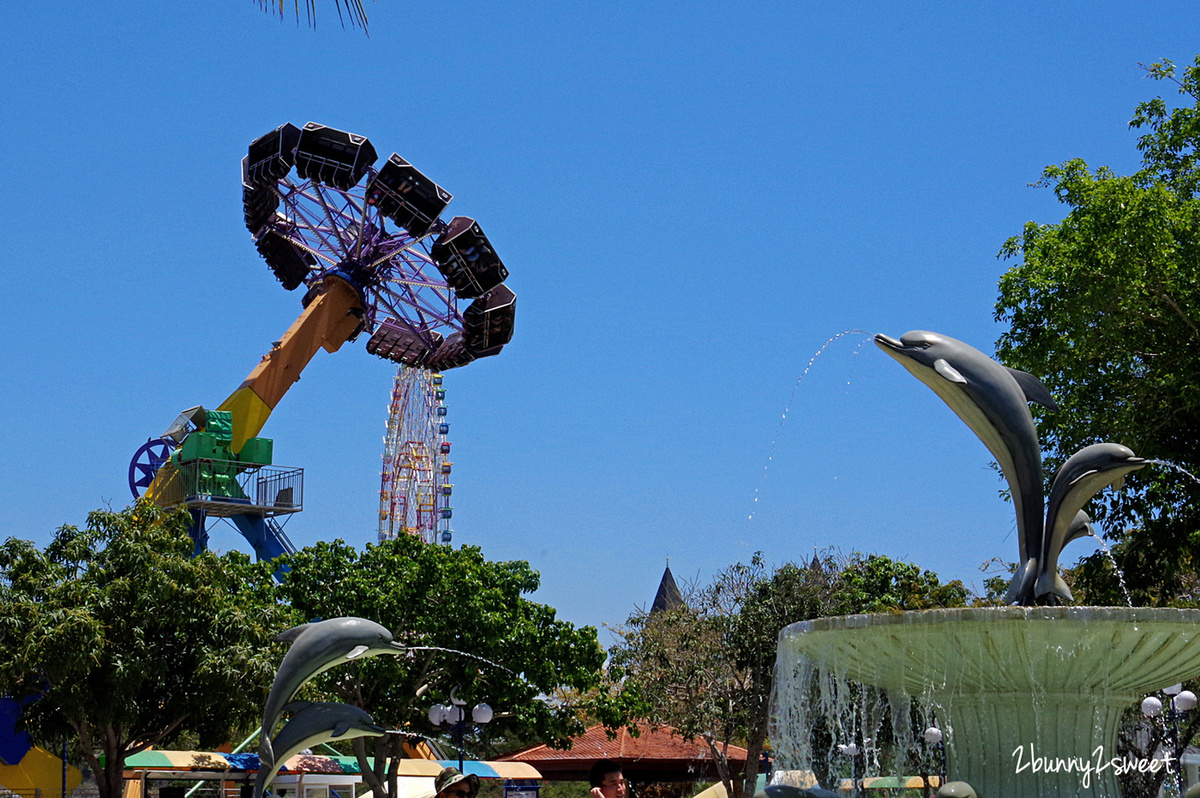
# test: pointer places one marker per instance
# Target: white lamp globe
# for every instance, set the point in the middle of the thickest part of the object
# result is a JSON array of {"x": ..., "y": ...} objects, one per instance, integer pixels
[
  {"x": 1151, "y": 706},
  {"x": 1184, "y": 702}
]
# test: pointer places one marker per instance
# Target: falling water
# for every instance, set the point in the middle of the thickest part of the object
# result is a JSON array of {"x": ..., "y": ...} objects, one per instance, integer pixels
[
  {"x": 1113, "y": 562},
  {"x": 1104, "y": 547},
  {"x": 788, "y": 408},
  {"x": 1055, "y": 680},
  {"x": 809, "y": 697}
]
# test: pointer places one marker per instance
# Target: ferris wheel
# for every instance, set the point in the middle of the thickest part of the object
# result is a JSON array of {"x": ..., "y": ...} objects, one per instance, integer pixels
[{"x": 414, "y": 498}]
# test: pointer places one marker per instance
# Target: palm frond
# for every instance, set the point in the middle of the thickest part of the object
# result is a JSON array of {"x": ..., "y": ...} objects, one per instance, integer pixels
[{"x": 354, "y": 11}]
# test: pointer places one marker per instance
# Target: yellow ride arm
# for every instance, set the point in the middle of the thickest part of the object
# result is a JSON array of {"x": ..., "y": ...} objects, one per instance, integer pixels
[{"x": 327, "y": 323}]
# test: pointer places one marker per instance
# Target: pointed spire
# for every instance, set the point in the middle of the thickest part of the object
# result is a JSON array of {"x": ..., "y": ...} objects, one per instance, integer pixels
[
  {"x": 815, "y": 565},
  {"x": 668, "y": 596}
]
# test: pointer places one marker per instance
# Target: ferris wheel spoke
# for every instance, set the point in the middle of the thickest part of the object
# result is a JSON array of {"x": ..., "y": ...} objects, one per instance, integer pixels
[
  {"x": 396, "y": 301},
  {"x": 362, "y": 225},
  {"x": 420, "y": 323},
  {"x": 298, "y": 240},
  {"x": 402, "y": 252},
  {"x": 409, "y": 275},
  {"x": 305, "y": 221},
  {"x": 345, "y": 236},
  {"x": 418, "y": 266}
]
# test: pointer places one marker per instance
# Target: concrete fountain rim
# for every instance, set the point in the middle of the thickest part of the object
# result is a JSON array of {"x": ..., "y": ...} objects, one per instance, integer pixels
[{"x": 991, "y": 615}]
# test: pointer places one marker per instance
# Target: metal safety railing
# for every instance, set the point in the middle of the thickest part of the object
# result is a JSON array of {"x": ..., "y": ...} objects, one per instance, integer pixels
[{"x": 226, "y": 487}]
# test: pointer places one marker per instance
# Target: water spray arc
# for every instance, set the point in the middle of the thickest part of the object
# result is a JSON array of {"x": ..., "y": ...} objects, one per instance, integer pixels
[{"x": 787, "y": 409}]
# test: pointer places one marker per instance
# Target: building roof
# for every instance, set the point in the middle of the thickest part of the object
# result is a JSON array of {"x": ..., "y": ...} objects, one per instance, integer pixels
[
  {"x": 656, "y": 754},
  {"x": 668, "y": 596}
]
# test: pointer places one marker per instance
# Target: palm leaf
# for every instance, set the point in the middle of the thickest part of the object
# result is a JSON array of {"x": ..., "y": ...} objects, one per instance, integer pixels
[{"x": 354, "y": 11}]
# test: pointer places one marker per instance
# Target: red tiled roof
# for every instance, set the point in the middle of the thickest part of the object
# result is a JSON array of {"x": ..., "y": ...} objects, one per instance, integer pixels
[{"x": 659, "y": 754}]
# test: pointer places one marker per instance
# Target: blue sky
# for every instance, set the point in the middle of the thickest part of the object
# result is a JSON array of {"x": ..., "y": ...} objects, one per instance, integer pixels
[{"x": 691, "y": 198}]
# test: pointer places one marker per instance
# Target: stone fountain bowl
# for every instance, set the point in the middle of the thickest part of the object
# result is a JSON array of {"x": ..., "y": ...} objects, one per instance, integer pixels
[
  {"x": 1000, "y": 649},
  {"x": 1012, "y": 684}
]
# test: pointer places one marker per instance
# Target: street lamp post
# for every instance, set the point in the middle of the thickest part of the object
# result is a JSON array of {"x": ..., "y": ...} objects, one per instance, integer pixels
[
  {"x": 852, "y": 750},
  {"x": 454, "y": 717},
  {"x": 1180, "y": 701},
  {"x": 934, "y": 737}
]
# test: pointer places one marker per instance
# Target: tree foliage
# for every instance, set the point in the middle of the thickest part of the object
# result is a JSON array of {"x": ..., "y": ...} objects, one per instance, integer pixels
[
  {"x": 117, "y": 636},
  {"x": 469, "y": 627},
  {"x": 1104, "y": 307},
  {"x": 708, "y": 668}
]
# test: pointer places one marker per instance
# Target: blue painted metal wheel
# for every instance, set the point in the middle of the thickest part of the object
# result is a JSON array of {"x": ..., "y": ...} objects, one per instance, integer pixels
[{"x": 145, "y": 463}]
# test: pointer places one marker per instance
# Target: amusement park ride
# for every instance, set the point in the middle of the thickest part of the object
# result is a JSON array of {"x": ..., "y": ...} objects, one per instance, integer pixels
[
  {"x": 372, "y": 258},
  {"x": 372, "y": 253}
]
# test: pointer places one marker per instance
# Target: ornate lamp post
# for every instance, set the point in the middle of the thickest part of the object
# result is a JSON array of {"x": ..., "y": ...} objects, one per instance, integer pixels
[
  {"x": 1181, "y": 701},
  {"x": 454, "y": 718},
  {"x": 852, "y": 750}
]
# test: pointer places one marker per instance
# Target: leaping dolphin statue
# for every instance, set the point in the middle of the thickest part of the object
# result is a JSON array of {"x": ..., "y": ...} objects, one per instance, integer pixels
[
  {"x": 993, "y": 401},
  {"x": 311, "y": 725},
  {"x": 315, "y": 648},
  {"x": 1083, "y": 475}
]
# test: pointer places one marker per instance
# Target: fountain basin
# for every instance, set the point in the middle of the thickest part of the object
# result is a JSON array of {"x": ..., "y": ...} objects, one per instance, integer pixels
[{"x": 1019, "y": 690}]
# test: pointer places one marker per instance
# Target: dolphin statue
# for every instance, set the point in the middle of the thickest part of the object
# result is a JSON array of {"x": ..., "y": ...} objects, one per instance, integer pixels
[
  {"x": 311, "y": 725},
  {"x": 315, "y": 648},
  {"x": 1083, "y": 475},
  {"x": 993, "y": 401}
]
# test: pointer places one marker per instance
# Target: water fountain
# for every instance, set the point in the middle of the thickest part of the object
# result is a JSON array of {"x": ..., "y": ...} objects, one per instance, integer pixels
[{"x": 1030, "y": 694}]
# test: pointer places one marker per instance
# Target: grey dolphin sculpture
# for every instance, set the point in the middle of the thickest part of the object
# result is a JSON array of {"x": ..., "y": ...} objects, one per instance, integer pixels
[
  {"x": 1079, "y": 479},
  {"x": 993, "y": 401},
  {"x": 315, "y": 648},
  {"x": 311, "y": 725}
]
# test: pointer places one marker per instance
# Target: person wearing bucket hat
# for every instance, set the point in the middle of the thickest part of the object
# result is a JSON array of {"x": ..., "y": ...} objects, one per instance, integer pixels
[{"x": 451, "y": 783}]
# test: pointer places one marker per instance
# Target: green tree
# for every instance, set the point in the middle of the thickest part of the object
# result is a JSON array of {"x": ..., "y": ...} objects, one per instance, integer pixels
[
  {"x": 470, "y": 627},
  {"x": 118, "y": 637},
  {"x": 1104, "y": 307},
  {"x": 708, "y": 668}
]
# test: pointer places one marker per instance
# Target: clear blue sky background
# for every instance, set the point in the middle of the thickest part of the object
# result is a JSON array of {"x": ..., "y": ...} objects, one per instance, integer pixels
[{"x": 692, "y": 197}]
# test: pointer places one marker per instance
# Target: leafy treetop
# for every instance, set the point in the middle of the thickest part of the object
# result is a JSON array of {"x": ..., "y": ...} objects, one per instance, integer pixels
[
  {"x": 1104, "y": 307},
  {"x": 117, "y": 636}
]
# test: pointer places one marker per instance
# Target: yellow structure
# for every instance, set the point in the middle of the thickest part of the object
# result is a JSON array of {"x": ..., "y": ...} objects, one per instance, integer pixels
[{"x": 38, "y": 770}]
